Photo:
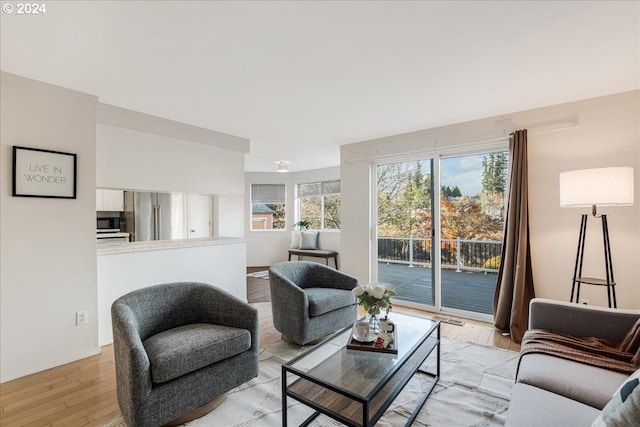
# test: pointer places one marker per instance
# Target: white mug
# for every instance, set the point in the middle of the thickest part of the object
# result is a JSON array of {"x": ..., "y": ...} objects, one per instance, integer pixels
[{"x": 362, "y": 329}]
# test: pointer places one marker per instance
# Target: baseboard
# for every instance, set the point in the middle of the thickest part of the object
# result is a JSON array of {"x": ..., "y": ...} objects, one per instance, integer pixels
[{"x": 53, "y": 364}]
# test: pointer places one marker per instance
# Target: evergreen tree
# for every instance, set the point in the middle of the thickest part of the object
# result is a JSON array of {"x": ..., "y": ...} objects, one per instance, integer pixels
[
  {"x": 494, "y": 173},
  {"x": 450, "y": 192}
]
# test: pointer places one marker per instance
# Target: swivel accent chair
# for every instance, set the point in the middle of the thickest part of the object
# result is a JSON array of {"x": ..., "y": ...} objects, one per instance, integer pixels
[
  {"x": 177, "y": 347},
  {"x": 310, "y": 300}
]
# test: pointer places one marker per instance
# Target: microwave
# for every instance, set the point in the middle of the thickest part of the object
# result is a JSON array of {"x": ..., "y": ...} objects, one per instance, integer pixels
[{"x": 108, "y": 223}]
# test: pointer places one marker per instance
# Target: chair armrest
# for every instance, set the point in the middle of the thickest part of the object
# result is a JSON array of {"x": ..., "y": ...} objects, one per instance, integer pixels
[
  {"x": 581, "y": 320},
  {"x": 133, "y": 367},
  {"x": 325, "y": 277},
  {"x": 286, "y": 293}
]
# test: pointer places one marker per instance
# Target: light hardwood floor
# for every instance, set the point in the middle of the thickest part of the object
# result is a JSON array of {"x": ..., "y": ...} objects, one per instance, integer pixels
[{"x": 83, "y": 393}]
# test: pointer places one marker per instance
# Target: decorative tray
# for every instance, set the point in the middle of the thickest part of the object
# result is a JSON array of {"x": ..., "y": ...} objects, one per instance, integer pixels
[{"x": 392, "y": 347}]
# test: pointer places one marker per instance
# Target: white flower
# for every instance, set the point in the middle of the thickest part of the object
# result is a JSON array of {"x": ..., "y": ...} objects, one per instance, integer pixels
[
  {"x": 378, "y": 291},
  {"x": 358, "y": 290}
]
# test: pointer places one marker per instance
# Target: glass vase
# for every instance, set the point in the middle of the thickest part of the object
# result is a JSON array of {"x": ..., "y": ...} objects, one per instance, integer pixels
[{"x": 374, "y": 324}]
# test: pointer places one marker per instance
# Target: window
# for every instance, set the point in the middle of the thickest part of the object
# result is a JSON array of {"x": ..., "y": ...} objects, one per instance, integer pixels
[
  {"x": 267, "y": 206},
  {"x": 319, "y": 203}
]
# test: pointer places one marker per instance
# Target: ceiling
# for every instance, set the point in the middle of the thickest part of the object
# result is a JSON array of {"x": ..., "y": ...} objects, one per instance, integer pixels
[{"x": 299, "y": 79}]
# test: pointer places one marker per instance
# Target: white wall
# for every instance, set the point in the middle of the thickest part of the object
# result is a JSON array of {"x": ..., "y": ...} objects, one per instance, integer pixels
[
  {"x": 141, "y": 152},
  {"x": 608, "y": 134},
  {"x": 135, "y": 160},
  {"x": 221, "y": 265},
  {"x": 265, "y": 248},
  {"x": 48, "y": 263},
  {"x": 48, "y": 267},
  {"x": 229, "y": 217}
]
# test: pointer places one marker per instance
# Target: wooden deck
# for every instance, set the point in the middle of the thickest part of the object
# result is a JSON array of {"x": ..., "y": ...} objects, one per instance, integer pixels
[{"x": 469, "y": 291}]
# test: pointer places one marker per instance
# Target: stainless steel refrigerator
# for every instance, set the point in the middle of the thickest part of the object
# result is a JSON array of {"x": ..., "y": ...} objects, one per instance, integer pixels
[{"x": 154, "y": 216}]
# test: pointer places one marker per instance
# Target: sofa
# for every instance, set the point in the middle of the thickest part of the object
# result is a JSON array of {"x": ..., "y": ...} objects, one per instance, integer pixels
[
  {"x": 310, "y": 300},
  {"x": 554, "y": 391}
]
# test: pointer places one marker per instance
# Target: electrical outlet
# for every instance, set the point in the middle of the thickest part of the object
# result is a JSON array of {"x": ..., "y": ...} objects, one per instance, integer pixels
[
  {"x": 82, "y": 318},
  {"x": 584, "y": 301}
]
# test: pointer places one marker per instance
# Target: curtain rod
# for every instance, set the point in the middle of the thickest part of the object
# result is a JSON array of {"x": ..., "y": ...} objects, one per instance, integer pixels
[
  {"x": 540, "y": 130},
  {"x": 534, "y": 129}
]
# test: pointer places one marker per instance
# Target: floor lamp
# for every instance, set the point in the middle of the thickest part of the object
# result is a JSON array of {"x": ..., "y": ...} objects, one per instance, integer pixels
[{"x": 596, "y": 187}]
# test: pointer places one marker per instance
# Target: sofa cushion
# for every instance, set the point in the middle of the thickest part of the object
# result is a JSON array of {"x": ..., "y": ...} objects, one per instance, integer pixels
[
  {"x": 324, "y": 300},
  {"x": 624, "y": 407},
  {"x": 532, "y": 406},
  {"x": 587, "y": 384},
  {"x": 185, "y": 349}
]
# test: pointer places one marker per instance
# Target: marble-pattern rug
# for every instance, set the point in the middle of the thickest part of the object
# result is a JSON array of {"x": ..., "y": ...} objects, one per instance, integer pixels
[
  {"x": 260, "y": 274},
  {"x": 474, "y": 389}
]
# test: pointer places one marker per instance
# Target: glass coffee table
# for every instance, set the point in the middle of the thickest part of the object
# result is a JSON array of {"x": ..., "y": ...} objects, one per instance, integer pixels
[{"x": 355, "y": 387}]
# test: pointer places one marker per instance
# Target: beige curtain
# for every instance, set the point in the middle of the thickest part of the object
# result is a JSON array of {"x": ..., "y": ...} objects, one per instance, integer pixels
[{"x": 514, "y": 287}]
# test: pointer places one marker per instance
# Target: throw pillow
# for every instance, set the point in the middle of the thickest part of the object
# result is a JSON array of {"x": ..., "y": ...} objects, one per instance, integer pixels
[
  {"x": 295, "y": 240},
  {"x": 308, "y": 239},
  {"x": 624, "y": 407}
]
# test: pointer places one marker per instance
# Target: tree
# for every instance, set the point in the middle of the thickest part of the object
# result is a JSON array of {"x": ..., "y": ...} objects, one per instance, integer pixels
[
  {"x": 310, "y": 211},
  {"x": 494, "y": 173},
  {"x": 450, "y": 191},
  {"x": 278, "y": 216},
  {"x": 464, "y": 218},
  {"x": 332, "y": 207},
  {"x": 404, "y": 200},
  {"x": 404, "y": 203}
]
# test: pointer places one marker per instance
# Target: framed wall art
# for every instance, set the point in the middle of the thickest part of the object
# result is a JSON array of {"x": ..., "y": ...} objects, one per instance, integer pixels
[{"x": 43, "y": 173}]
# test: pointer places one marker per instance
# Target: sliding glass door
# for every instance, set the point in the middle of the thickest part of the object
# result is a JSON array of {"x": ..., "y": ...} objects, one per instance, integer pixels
[
  {"x": 439, "y": 230},
  {"x": 471, "y": 222},
  {"x": 405, "y": 230}
]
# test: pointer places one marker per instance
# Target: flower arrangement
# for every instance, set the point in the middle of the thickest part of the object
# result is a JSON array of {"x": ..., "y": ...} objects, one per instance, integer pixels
[{"x": 374, "y": 297}]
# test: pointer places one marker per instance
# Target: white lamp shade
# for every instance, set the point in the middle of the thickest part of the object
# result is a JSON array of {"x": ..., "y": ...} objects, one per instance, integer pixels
[{"x": 600, "y": 187}]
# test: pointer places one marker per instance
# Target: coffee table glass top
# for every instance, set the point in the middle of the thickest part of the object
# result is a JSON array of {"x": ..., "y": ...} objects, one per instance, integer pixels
[{"x": 332, "y": 363}]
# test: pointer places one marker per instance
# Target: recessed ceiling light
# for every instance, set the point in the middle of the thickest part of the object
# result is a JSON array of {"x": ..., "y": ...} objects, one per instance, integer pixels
[{"x": 283, "y": 166}]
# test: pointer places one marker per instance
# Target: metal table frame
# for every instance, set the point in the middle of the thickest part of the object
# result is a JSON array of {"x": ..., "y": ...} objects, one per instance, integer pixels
[{"x": 422, "y": 349}]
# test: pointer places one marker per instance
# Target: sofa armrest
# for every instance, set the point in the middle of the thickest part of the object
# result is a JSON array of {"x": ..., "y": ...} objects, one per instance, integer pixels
[{"x": 581, "y": 320}]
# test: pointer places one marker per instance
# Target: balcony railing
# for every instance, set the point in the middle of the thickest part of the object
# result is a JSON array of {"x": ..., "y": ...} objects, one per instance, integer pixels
[{"x": 458, "y": 254}]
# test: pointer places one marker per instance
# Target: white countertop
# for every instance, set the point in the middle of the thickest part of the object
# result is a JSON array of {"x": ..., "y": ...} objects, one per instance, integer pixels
[
  {"x": 103, "y": 235},
  {"x": 156, "y": 245}
]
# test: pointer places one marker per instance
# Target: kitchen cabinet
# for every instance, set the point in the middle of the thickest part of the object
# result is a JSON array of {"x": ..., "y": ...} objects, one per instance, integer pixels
[{"x": 109, "y": 200}]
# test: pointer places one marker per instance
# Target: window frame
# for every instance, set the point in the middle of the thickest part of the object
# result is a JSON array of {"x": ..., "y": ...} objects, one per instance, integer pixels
[
  {"x": 321, "y": 196},
  {"x": 283, "y": 193}
]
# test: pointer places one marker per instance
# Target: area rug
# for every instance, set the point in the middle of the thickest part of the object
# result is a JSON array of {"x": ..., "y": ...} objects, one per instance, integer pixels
[
  {"x": 474, "y": 389},
  {"x": 260, "y": 275}
]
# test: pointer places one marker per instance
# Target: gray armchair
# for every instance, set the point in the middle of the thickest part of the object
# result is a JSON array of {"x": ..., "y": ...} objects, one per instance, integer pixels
[
  {"x": 177, "y": 347},
  {"x": 310, "y": 300}
]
